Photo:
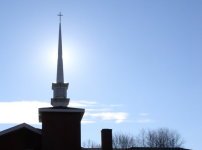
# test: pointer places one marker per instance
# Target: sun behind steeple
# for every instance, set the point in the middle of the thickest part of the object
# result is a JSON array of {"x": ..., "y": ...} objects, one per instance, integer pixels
[{"x": 60, "y": 88}]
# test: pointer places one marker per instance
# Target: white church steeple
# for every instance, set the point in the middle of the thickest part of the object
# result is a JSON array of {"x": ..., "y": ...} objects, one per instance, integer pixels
[{"x": 60, "y": 88}]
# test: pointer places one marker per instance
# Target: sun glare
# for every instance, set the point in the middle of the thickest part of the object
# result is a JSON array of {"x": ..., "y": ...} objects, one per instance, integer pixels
[
  {"x": 49, "y": 55},
  {"x": 67, "y": 55}
]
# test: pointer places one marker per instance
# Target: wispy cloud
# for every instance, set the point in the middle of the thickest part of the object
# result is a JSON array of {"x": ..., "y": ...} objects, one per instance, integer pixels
[
  {"x": 87, "y": 121},
  {"x": 82, "y": 103},
  {"x": 27, "y": 111},
  {"x": 144, "y": 118},
  {"x": 118, "y": 117},
  {"x": 20, "y": 111}
]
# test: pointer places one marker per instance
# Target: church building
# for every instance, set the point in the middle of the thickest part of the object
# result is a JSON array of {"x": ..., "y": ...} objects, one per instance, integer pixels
[{"x": 61, "y": 125}]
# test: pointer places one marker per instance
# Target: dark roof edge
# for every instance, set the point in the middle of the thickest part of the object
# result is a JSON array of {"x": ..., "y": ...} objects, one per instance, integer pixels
[{"x": 20, "y": 126}]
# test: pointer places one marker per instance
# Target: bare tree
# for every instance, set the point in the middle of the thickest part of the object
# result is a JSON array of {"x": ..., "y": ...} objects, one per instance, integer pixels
[
  {"x": 160, "y": 138},
  {"x": 90, "y": 144},
  {"x": 163, "y": 137},
  {"x": 151, "y": 139},
  {"x": 141, "y": 138},
  {"x": 123, "y": 141}
]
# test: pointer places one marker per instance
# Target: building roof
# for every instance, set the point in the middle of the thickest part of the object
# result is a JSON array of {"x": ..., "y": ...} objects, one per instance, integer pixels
[
  {"x": 156, "y": 148},
  {"x": 21, "y": 126},
  {"x": 140, "y": 148}
]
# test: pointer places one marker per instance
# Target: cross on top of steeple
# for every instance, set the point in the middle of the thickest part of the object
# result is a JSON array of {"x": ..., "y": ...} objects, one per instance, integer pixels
[{"x": 60, "y": 15}]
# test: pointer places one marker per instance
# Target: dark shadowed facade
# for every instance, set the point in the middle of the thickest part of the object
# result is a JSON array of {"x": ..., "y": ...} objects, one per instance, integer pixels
[
  {"x": 61, "y": 128},
  {"x": 20, "y": 137},
  {"x": 61, "y": 125}
]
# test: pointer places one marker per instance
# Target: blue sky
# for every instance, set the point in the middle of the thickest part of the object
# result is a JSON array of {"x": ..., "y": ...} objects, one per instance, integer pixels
[{"x": 132, "y": 64}]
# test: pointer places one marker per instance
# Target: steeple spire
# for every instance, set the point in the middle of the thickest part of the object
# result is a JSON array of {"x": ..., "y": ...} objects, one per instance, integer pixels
[
  {"x": 60, "y": 76},
  {"x": 60, "y": 88}
]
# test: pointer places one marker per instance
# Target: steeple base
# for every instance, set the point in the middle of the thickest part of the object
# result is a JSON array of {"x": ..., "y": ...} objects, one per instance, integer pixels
[
  {"x": 59, "y": 95},
  {"x": 59, "y": 102}
]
